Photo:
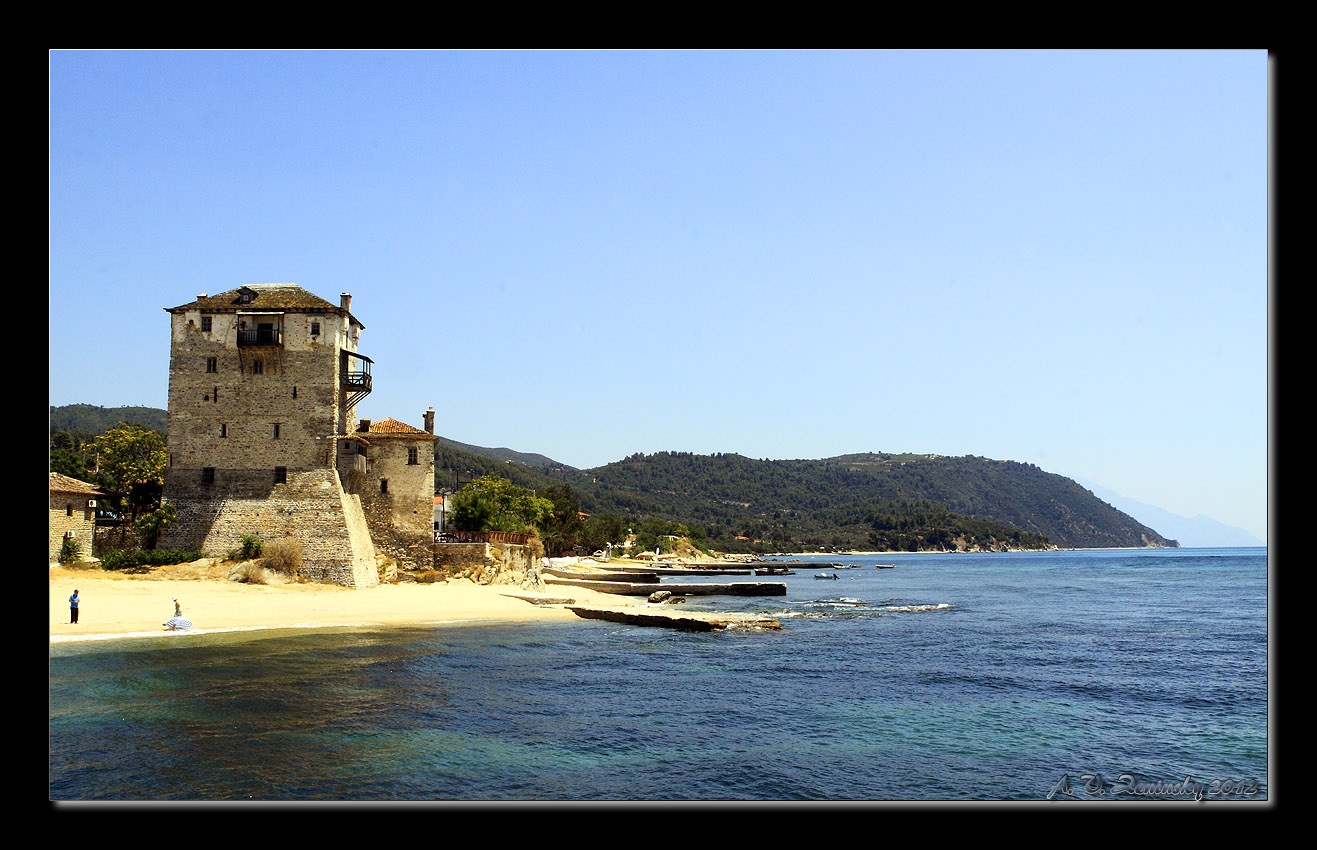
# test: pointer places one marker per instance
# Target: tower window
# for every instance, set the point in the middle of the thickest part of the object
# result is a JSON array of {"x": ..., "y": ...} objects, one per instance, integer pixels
[
  {"x": 212, "y": 364},
  {"x": 208, "y": 475},
  {"x": 276, "y": 430},
  {"x": 205, "y": 323},
  {"x": 315, "y": 329},
  {"x": 384, "y": 485},
  {"x": 281, "y": 475},
  {"x": 224, "y": 430},
  {"x": 258, "y": 367},
  {"x": 411, "y": 457}
]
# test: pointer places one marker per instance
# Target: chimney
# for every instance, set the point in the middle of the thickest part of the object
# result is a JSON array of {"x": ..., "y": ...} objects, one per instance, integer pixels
[
  {"x": 201, "y": 295},
  {"x": 347, "y": 302},
  {"x": 364, "y": 427},
  {"x": 429, "y": 421}
]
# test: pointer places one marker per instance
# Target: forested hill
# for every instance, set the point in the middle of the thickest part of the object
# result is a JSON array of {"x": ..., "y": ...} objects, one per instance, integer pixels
[
  {"x": 92, "y": 419},
  {"x": 854, "y": 501}
]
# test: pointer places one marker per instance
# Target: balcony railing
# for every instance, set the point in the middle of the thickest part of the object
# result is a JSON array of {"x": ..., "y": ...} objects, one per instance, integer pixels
[{"x": 260, "y": 337}]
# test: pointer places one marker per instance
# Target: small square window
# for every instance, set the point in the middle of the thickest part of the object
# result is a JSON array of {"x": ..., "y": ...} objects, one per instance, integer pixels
[
  {"x": 205, "y": 323},
  {"x": 281, "y": 475},
  {"x": 315, "y": 329}
]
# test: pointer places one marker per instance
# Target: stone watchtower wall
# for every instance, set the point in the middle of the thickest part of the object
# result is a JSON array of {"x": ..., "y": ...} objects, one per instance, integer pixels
[
  {"x": 260, "y": 389},
  {"x": 310, "y": 507}
]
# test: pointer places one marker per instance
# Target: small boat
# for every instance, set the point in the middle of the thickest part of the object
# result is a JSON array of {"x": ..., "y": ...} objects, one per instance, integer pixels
[
  {"x": 773, "y": 571},
  {"x": 884, "y": 566},
  {"x": 825, "y": 575}
]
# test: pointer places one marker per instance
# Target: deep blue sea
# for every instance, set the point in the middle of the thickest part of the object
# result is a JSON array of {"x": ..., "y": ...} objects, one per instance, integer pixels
[{"x": 1135, "y": 675}]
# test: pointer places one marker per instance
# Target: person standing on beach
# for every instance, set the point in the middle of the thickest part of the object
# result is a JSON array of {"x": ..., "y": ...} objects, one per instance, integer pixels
[
  {"x": 178, "y": 612},
  {"x": 73, "y": 608}
]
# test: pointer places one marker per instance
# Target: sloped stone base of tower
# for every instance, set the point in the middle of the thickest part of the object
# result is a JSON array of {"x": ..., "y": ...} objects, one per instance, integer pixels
[{"x": 311, "y": 507}]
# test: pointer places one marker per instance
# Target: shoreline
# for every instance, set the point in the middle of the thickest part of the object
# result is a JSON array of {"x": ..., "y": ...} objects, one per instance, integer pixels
[{"x": 123, "y": 607}]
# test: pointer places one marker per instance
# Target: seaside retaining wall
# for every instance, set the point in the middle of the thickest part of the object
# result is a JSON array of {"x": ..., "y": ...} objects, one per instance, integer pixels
[{"x": 490, "y": 563}]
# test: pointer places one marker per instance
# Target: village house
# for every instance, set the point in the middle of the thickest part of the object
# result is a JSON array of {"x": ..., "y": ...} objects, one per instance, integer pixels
[
  {"x": 73, "y": 506},
  {"x": 264, "y": 382}
]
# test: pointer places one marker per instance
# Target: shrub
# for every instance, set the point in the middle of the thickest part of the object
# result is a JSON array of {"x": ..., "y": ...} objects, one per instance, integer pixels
[
  {"x": 69, "y": 551},
  {"x": 248, "y": 573},
  {"x": 429, "y": 576},
  {"x": 248, "y": 550},
  {"x": 283, "y": 556},
  {"x": 114, "y": 559},
  {"x": 164, "y": 557}
]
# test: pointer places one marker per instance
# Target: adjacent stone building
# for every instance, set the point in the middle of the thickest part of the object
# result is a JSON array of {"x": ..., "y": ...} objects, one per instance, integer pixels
[
  {"x": 264, "y": 381},
  {"x": 396, "y": 484},
  {"x": 72, "y": 513}
]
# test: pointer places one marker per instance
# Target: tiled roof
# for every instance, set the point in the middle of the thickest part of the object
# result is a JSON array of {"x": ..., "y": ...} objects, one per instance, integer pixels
[
  {"x": 393, "y": 426},
  {"x": 64, "y": 484},
  {"x": 267, "y": 296}
]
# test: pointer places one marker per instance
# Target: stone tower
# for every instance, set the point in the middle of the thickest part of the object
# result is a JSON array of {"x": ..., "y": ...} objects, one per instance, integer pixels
[{"x": 263, "y": 386}]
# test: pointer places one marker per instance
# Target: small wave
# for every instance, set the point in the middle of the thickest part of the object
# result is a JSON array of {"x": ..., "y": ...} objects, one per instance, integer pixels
[{"x": 941, "y": 606}]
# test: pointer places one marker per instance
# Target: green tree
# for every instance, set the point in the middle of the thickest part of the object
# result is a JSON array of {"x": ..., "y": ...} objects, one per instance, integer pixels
[
  {"x": 131, "y": 459},
  {"x": 563, "y": 528},
  {"x": 491, "y": 503},
  {"x": 149, "y": 525}
]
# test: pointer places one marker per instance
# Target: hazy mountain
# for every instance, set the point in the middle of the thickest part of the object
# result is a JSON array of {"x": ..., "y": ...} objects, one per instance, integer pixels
[{"x": 1198, "y": 531}]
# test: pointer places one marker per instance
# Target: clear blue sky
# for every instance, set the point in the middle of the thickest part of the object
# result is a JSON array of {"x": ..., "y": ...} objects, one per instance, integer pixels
[{"x": 1050, "y": 257}]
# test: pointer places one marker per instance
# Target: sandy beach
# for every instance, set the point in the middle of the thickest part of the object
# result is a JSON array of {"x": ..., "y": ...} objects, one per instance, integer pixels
[{"x": 117, "y": 604}]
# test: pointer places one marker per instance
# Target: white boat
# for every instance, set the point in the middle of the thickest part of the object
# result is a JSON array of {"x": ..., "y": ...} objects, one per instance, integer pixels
[{"x": 825, "y": 575}]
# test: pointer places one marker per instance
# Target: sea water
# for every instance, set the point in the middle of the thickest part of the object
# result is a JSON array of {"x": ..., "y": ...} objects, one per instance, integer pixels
[{"x": 1117, "y": 675}]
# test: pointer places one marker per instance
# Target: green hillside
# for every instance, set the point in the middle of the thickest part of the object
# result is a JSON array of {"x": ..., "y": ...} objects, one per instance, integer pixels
[
  {"x": 862, "y": 501},
  {"x": 92, "y": 419}
]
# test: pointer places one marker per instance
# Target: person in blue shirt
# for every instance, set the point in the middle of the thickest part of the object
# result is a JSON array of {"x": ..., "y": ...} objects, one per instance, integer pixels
[{"x": 73, "y": 607}]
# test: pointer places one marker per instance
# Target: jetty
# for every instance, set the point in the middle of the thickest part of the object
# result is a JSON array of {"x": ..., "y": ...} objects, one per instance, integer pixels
[
  {"x": 691, "y": 622},
  {"x": 630, "y": 588}
]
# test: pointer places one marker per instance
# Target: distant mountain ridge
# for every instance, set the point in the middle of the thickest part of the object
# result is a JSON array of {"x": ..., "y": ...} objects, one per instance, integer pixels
[
  {"x": 505, "y": 454},
  {"x": 841, "y": 502},
  {"x": 1196, "y": 531}
]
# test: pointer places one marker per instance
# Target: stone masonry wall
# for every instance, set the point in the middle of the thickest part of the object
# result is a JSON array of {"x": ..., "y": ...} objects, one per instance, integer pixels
[
  {"x": 311, "y": 507},
  {"x": 228, "y": 417},
  {"x": 81, "y": 525},
  {"x": 401, "y": 515}
]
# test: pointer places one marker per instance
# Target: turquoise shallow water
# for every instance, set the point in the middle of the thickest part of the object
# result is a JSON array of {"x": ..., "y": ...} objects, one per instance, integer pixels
[{"x": 1111, "y": 675}]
